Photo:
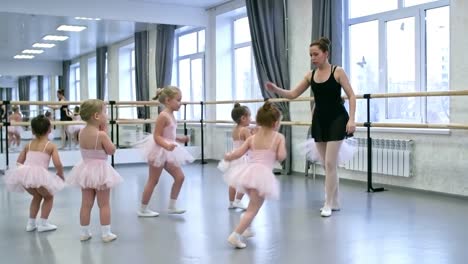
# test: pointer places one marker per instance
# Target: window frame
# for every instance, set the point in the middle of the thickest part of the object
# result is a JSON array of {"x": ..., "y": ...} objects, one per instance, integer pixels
[
  {"x": 191, "y": 110},
  {"x": 419, "y": 13}
]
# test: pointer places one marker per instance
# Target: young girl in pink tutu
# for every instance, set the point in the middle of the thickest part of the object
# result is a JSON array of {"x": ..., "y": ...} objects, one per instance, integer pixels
[
  {"x": 256, "y": 177},
  {"x": 74, "y": 130},
  {"x": 93, "y": 174},
  {"x": 240, "y": 115},
  {"x": 32, "y": 175},
  {"x": 162, "y": 151},
  {"x": 14, "y": 132}
]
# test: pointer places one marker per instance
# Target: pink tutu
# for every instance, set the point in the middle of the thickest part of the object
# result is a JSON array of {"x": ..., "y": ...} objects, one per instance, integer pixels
[
  {"x": 158, "y": 156},
  {"x": 347, "y": 150},
  {"x": 30, "y": 176},
  {"x": 15, "y": 129},
  {"x": 225, "y": 166},
  {"x": 74, "y": 128},
  {"x": 93, "y": 172},
  {"x": 253, "y": 176}
]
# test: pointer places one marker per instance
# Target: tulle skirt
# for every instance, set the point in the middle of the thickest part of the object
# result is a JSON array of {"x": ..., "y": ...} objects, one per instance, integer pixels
[
  {"x": 253, "y": 176},
  {"x": 158, "y": 156},
  {"x": 27, "y": 176},
  {"x": 15, "y": 129},
  {"x": 94, "y": 174},
  {"x": 347, "y": 150}
]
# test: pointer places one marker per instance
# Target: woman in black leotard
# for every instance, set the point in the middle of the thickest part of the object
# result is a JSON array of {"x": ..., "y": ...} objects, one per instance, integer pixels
[
  {"x": 330, "y": 120},
  {"x": 64, "y": 116}
]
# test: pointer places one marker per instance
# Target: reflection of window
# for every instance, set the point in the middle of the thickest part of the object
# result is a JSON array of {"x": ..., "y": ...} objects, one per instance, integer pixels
[
  {"x": 127, "y": 80},
  {"x": 92, "y": 79},
  {"x": 243, "y": 76},
  {"x": 74, "y": 83},
  {"x": 190, "y": 68},
  {"x": 33, "y": 89},
  {"x": 384, "y": 56}
]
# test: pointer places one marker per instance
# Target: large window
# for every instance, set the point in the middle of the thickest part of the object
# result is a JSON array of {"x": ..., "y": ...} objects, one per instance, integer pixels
[
  {"x": 245, "y": 81},
  {"x": 189, "y": 69},
  {"x": 33, "y": 89},
  {"x": 127, "y": 84},
  {"x": 399, "y": 46},
  {"x": 242, "y": 76},
  {"x": 92, "y": 79},
  {"x": 74, "y": 83}
]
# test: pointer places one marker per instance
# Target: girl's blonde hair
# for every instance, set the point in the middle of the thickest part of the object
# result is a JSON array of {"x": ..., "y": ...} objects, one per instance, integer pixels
[
  {"x": 167, "y": 92},
  {"x": 90, "y": 107}
]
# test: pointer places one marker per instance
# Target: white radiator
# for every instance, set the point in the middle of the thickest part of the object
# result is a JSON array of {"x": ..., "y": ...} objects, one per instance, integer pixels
[
  {"x": 227, "y": 141},
  {"x": 389, "y": 157}
]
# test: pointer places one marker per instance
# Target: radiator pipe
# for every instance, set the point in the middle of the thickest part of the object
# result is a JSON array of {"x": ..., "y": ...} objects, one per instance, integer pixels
[
  {"x": 367, "y": 124},
  {"x": 112, "y": 123},
  {"x": 185, "y": 123},
  {"x": 202, "y": 135}
]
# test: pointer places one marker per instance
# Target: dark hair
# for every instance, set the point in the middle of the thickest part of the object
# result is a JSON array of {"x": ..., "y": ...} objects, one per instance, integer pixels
[
  {"x": 40, "y": 125},
  {"x": 61, "y": 91},
  {"x": 238, "y": 112},
  {"x": 48, "y": 114},
  {"x": 267, "y": 115},
  {"x": 323, "y": 44},
  {"x": 77, "y": 109}
]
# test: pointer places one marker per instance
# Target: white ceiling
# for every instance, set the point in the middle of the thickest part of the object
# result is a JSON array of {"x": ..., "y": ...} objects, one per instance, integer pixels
[
  {"x": 190, "y": 3},
  {"x": 20, "y": 31}
]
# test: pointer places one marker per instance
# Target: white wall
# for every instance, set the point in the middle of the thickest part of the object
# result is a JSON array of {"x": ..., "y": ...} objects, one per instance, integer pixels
[
  {"x": 141, "y": 11},
  {"x": 30, "y": 67}
]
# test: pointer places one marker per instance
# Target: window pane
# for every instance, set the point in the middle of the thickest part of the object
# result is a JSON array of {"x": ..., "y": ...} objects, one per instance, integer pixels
[
  {"x": 243, "y": 78},
  {"x": 364, "y": 66},
  {"x": 359, "y": 8},
  {"x": 92, "y": 92},
  {"x": 438, "y": 62},
  {"x": 188, "y": 44},
  {"x": 133, "y": 58},
  {"x": 417, "y": 2},
  {"x": 46, "y": 89},
  {"x": 197, "y": 84},
  {"x": 201, "y": 41},
  {"x": 33, "y": 96},
  {"x": 184, "y": 82},
  {"x": 77, "y": 73},
  {"x": 241, "y": 30},
  {"x": 401, "y": 73}
]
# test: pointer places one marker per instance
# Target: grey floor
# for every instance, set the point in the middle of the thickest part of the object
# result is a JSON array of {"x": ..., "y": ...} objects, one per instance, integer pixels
[{"x": 397, "y": 226}]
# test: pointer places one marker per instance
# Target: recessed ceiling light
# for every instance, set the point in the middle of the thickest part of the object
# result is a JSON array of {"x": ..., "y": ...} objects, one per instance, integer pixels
[
  {"x": 43, "y": 45},
  {"x": 32, "y": 51},
  {"x": 71, "y": 28},
  {"x": 55, "y": 38},
  {"x": 23, "y": 57},
  {"x": 87, "y": 18}
]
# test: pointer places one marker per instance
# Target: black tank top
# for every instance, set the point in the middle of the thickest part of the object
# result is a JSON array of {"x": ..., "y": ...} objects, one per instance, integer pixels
[{"x": 328, "y": 101}]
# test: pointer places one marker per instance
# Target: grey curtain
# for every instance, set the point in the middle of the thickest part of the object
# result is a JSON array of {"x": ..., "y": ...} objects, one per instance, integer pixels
[
  {"x": 2, "y": 93},
  {"x": 327, "y": 21},
  {"x": 64, "y": 80},
  {"x": 142, "y": 73},
  {"x": 23, "y": 94},
  {"x": 267, "y": 20},
  {"x": 8, "y": 94},
  {"x": 40, "y": 92},
  {"x": 100, "y": 73},
  {"x": 164, "y": 55}
]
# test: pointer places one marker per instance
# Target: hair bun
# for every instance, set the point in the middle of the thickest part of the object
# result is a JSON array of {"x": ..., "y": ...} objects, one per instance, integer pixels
[
  {"x": 325, "y": 40},
  {"x": 158, "y": 93},
  {"x": 267, "y": 105},
  {"x": 237, "y": 105}
]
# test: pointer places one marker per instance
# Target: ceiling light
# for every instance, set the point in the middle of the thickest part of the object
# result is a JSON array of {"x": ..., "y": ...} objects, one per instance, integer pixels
[
  {"x": 43, "y": 45},
  {"x": 32, "y": 51},
  {"x": 23, "y": 57},
  {"x": 55, "y": 38},
  {"x": 71, "y": 28},
  {"x": 87, "y": 18}
]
